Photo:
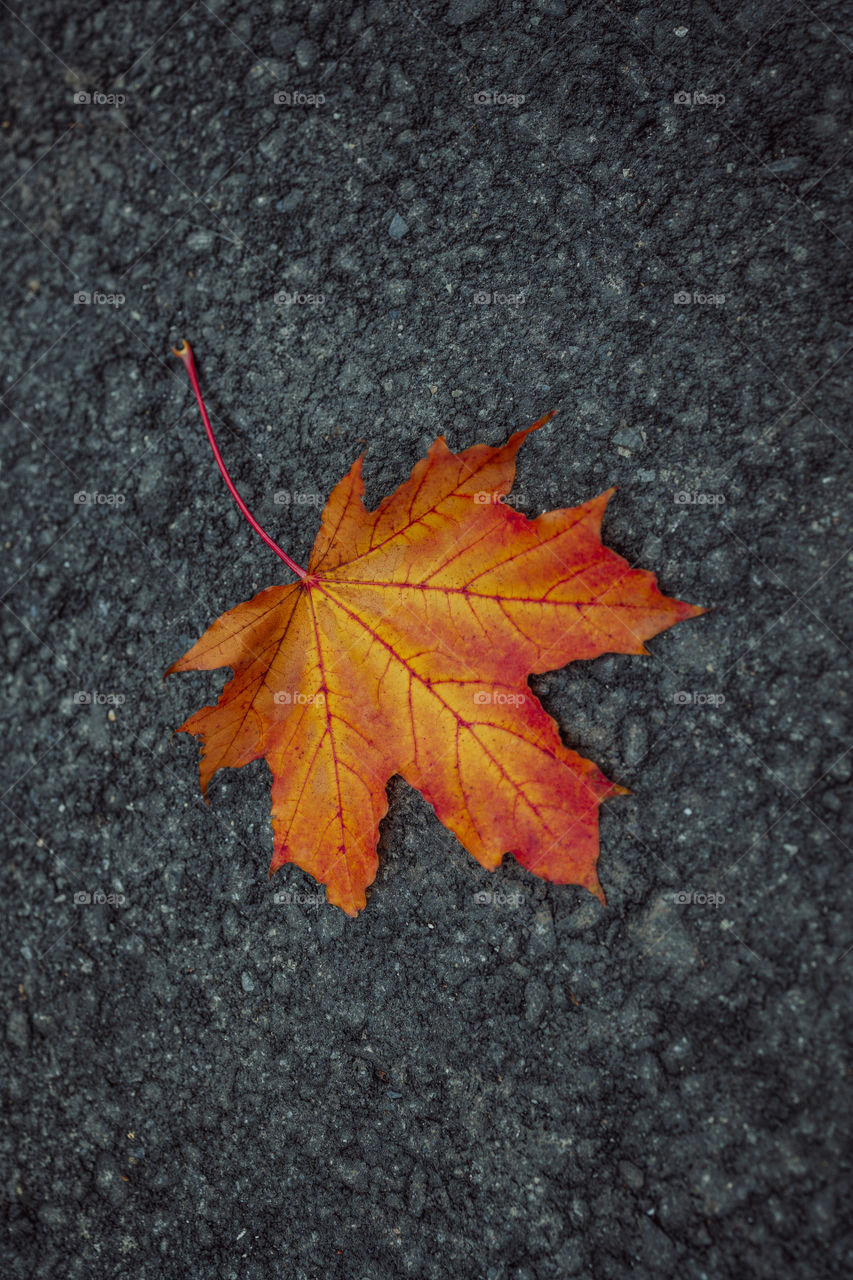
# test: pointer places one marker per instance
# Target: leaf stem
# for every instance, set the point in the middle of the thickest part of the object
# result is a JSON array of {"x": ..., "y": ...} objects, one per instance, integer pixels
[{"x": 185, "y": 355}]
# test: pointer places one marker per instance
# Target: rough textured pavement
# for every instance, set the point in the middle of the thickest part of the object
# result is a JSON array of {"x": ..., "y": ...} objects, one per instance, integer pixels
[{"x": 634, "y": 215}]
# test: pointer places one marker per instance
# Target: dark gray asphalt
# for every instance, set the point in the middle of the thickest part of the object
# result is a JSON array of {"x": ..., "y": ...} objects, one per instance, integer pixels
[{"x": 204, "y": 1083}]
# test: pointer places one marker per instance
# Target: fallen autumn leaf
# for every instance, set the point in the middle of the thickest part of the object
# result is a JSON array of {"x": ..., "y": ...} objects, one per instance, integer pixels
[{"x": 405, "y": 648}]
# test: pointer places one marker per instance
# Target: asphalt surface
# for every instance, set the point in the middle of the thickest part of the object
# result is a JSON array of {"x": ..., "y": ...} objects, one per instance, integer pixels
[{"x": 477, "y": 213}]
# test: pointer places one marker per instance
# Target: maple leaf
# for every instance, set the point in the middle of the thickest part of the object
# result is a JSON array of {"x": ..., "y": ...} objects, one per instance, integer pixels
[{"x": 405, "y": 649}]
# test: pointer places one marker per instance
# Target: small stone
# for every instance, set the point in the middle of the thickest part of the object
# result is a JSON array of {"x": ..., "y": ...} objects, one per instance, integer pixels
[
  {"x": 247, "y": 981},
  {"x": 18, "y": 1030},
  {"x": 398, "y": 227},
  {"x": 108, "y": 1179},
  {"x": 306, "y": 54},
  {"x": 635, "y": 741},
  {"x": 284, "y": 40},
  {"x": 400, "y": 83},
  {"x": 275, "y": 144},
  {"x": 569, "y": 1259},
  {"x": 628, "y": 437},
  {"x": 631, "y": 1175},
  {"x": 535, "y": 1000},
  {"x": 417, "y": 1192},
  {"x": 200, "y": 240},
  {"x": 584, "y": 916},
  {"x": 461, "y": 11},
  {"x": 786, "y": 164},
  {"x": 542, "y": 936},
  {"x": 52, "y": 1215}
]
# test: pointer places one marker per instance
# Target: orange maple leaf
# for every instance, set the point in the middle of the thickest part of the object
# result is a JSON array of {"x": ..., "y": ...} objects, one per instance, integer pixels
[{"x": 406, "y": 649}]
